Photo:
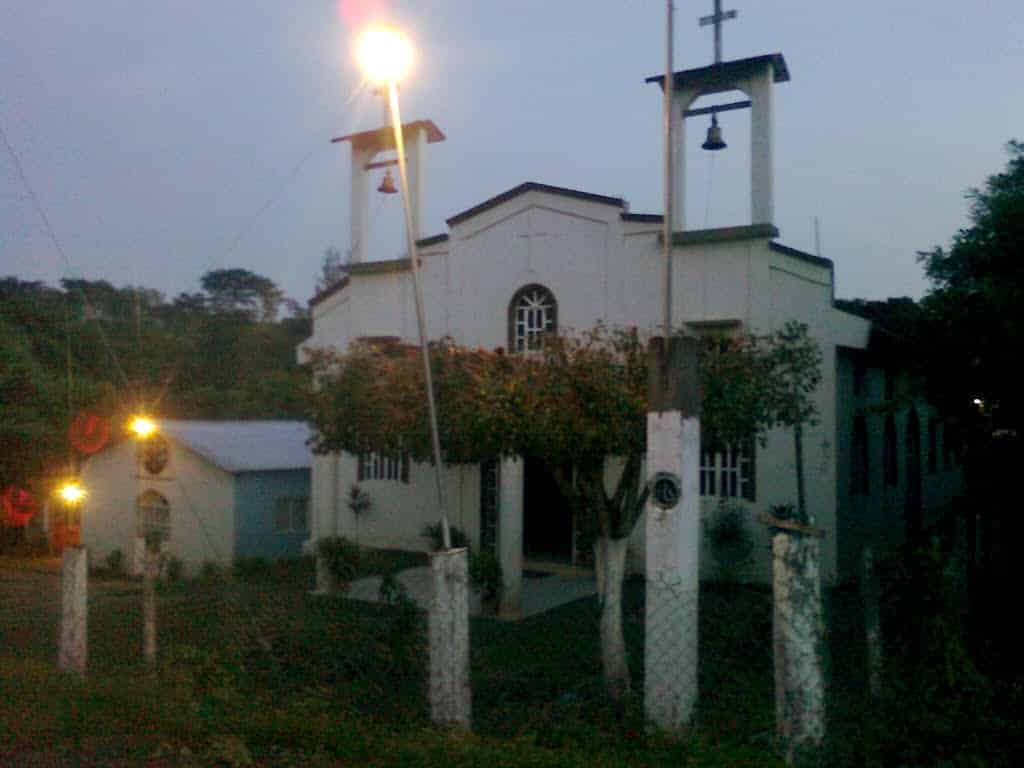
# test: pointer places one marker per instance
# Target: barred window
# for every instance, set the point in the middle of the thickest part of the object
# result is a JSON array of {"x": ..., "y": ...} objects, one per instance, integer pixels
[
  {"x": 152, "y": 517},
  {"x": 291, "y": 514},
  {"x": 376, "y": 466},
  {"x": 891, "y": 452},
  {"x": 860, "y": 463},
  {"x": 532, "y": 312},
  {"x": 728, "y": 473}
]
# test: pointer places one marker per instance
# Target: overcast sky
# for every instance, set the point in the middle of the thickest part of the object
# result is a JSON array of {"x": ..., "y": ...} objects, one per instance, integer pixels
[{"x": 165, "y": 139}]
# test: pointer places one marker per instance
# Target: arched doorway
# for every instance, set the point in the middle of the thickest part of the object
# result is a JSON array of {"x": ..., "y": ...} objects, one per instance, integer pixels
[{"x": 547, "y": 519}]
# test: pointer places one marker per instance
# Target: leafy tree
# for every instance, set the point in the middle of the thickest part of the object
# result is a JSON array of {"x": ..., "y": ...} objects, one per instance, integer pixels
[
  {"x": 579, "y": 404},
  {"x": 241, "y": 291},
  {"x": 332, "y": 269},
  {"x": 975, "y": 308}
]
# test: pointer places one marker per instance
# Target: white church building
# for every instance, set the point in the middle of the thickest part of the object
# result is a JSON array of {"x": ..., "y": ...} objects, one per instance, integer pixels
[{"x": 540, "y": 258}]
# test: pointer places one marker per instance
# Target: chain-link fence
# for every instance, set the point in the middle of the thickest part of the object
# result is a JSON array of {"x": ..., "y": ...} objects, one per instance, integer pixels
[{"x": 251, "y": 660}]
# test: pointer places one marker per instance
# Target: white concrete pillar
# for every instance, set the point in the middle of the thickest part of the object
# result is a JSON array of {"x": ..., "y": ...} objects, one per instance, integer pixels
[
  {"x": 672, "y": 536},
  {"x": 359, "y": 196},
  {"x": 74, "y": 630},
  {"x": 138, "y": 559},
  {"x": 762, "y": 205},
  {"x": 682, "y": 100},
  {"x": 448, "y": 638},
  {"x": 415, "y": 148},
  {"x": 797, "y": 640},
  {"x": 150, "y": 569},
  {"x": 511, "y": 475}
]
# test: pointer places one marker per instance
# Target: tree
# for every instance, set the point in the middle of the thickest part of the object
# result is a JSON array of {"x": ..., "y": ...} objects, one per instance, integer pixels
[
  {"x": 241, "y": 291},
  {"x": 579, "y": 404},
  {"x": 975, "y": 307},
  {"x": 332, "y": 270}
]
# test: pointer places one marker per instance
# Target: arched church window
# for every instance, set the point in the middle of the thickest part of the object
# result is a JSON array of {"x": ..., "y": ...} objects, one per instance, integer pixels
[
  {"x": 153, "y": 518},
  {"x": 154, "y": 453},
  {"x": 532, "y": 312}
]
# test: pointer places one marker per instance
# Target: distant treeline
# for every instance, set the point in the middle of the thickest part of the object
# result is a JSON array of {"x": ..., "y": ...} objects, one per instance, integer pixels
[{"x": 226, "y": 352}]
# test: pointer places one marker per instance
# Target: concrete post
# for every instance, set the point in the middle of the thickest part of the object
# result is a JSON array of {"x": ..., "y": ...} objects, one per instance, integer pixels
[
  {"x": 74, "y": 635},
  {"x": 448, "y": 629},
  {"x": 152, "y": 563},
  {"x": 510, "y": 536},
  {"x": 415, "y": 148},
  {"x": 673, "y": 534},
  {"x": 138, "y": 563},
  {"x": 359, "y": 202},
  {"x": 762, "y": 206},
  {"x": 796, "y": 631}
]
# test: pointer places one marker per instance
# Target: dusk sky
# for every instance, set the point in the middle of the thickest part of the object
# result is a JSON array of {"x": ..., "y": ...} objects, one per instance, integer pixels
[{"x": 167, "y": 139}]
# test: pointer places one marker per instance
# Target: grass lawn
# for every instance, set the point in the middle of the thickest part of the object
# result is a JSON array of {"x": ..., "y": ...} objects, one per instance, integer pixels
[{"x": 261, "y": 672}]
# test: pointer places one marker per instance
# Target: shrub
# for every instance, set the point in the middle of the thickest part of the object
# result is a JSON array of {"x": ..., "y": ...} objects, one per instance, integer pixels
[
  {"x": 732, "y": 544},
  {"x": 252, "y": 568},
  {"x": 114, "y": 563},
  {"x": 359, "y": 501},
  {"x": 485, "y": 575},
  {"x": 174, "y": 569},
  {"x": 211, "y": 572},
  {"x": 341, "y": 557},
  {"x": 433, "y": 533}
]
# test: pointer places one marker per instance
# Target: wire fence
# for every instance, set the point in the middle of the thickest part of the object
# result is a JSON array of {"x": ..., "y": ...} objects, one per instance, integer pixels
[{"x": 253, "y": 651}]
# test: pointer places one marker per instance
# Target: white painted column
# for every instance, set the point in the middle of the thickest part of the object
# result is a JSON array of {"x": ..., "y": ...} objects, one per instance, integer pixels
[
  {"x": 359, "y": 223},
  {"x": 762, "y": 205},
  {"x": 415, "y": 148},
  {"x": 74, "y": 630},
  {"x": 511, "y": 475},
  {"x": 682, "y": 101},
  {"x": 672, "y": 538},
  {"x": 448, "y": 637}
]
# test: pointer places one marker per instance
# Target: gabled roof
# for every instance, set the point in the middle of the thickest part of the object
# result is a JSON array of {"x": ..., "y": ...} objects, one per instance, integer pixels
[
  {"x": 245, "y": 446},
  {"x": 533, "y": 186}
]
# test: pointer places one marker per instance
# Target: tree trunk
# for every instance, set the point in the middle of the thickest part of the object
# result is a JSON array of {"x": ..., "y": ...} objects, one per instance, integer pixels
[
  {"x": 801, "y": 494},
  {"x": 613, "y": 645}
]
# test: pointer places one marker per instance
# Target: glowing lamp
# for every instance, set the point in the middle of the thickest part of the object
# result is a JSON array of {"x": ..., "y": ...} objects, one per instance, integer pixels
[
  {"x": 384, "y": 54},
  {"x": 142, "y": 427},
  {"x": 71, "y": 492}
]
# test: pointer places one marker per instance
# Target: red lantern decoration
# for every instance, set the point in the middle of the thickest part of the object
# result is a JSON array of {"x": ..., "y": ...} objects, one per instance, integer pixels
[
  {"x": 89, "y": 433},
  {"x": 19, "y": 506}
]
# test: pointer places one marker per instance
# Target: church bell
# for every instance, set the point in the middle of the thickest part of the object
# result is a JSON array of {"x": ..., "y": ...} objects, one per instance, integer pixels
[
  {"x": 387, "y": 184},
  {"x": 714, "y": 140}
]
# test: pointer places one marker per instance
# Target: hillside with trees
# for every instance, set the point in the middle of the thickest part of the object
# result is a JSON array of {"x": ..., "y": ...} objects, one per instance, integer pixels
[{"x": 226, "y": 352}]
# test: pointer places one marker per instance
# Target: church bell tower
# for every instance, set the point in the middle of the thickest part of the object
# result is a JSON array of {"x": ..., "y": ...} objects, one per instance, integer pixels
[
  {"x": 755, "y": 77},
  {"x": 366, "y": 146}
]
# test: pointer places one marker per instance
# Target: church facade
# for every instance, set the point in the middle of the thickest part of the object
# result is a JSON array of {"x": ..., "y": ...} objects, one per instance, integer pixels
[{"x": 538, "y": 259}]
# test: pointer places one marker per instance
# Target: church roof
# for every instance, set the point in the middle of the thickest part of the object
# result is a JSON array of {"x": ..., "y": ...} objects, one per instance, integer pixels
[
  {"x": 722, "y": 77},
  {"x": 533, "y": 186},
  {"x": 245, "y": 446}
]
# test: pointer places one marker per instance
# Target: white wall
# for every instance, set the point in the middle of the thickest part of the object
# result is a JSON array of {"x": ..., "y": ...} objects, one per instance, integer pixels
[
  {"x": 600, "y": 267},
  {"x": 201, "y": 498}
]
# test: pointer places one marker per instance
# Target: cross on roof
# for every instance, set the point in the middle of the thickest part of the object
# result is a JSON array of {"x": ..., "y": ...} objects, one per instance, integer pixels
[{"x": 717, "y": 18}]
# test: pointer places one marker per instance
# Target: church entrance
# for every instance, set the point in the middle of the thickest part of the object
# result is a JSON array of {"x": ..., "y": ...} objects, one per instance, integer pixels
[{"x": 547, "y": 521}]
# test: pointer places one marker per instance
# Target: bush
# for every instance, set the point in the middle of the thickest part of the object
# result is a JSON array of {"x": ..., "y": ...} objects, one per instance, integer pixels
[
  {"x": 174, "y": 569},
  {"x": 433, "y": 533},
  {"x": 485, "y": 575},
  {"x": 252, "y": 568},
  {"x": 341, "y": 557},
  {"x": 211, "y": 573},
  {"x": 115, "y": 564}
]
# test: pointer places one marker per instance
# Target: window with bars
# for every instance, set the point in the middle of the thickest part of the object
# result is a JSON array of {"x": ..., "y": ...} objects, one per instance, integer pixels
[
  {"x": 291, "y": 514},
  {"x": 728, "y": 473},
  {"x": 532, "y": 312},
  {"x": 860, "y": 459},
  {"x": 152, "y": 517},
  {"x": 376, "y": 466}
]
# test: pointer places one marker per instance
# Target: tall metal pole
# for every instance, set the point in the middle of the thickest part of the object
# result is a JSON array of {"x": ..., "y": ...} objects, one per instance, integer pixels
[
  {"x": 396, "y": 120},
  {"x": 666, "y": 219}
]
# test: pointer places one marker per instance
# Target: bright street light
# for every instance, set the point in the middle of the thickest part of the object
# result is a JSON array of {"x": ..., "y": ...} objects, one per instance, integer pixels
[
  {"x": 384, "y": 54},
  {"x": 71, "y": 492},
  {"x": 142, "y": 426}
]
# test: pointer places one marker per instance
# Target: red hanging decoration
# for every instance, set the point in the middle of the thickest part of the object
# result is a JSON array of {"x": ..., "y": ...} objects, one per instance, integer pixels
[
  {"x": 89, "y": 433},
  {"x": 19, "y": 506}
]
